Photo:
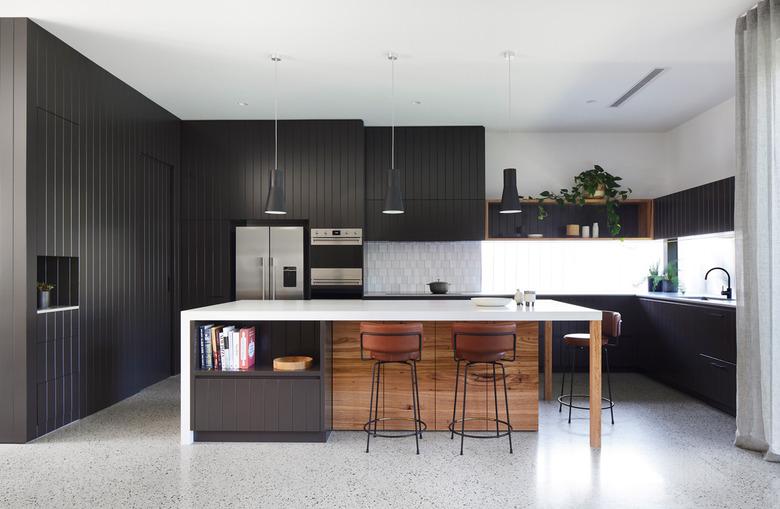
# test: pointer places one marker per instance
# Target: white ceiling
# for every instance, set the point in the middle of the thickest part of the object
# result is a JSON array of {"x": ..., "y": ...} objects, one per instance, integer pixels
[{"x": 199, "y": 58}]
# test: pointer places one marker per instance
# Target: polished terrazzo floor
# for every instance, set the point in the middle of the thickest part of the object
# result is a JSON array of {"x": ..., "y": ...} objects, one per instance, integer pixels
[{"x": 665, "y": 451}]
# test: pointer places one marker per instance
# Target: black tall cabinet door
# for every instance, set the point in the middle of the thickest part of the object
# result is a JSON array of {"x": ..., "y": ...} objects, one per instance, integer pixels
[{"x": 442, "y": 181}]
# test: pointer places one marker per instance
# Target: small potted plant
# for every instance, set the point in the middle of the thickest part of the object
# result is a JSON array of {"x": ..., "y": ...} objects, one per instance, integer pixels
[
  {"x": 654, "y": 278},
  {"x": 588, "y": 185},
  {"x": 671, "y": 279},
  {"x": 44, "y": 294}
]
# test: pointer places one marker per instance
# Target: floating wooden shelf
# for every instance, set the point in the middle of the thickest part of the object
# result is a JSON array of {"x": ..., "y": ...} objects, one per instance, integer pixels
[{"x": 636, "y": 216}]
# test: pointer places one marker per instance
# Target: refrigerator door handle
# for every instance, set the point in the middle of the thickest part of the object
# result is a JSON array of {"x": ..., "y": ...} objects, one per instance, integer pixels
[
  {"x": 273, "y": 278},
  {"x": 262, "y": 277}
]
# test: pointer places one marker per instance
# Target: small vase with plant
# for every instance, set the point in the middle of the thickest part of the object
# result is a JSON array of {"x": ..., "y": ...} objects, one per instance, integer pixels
[
  {"x": 589, "y": 185},
  {"x": 44, "y": 294},
  {"x": 654, "y": 278},
  {"x": 671, "y": 280}
]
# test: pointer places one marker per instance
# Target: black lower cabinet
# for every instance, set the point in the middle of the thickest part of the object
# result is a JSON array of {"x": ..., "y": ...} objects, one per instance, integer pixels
[
  {"x": 258, "y": 404},
  {"x": 691, "y": 347}
]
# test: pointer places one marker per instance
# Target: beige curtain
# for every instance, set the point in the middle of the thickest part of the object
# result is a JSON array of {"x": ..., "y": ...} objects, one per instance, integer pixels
[{"x": 757, "y": 225}]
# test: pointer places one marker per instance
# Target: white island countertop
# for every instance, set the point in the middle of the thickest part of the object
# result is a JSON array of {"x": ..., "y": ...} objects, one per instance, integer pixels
[{"x": 356, "y": 310}]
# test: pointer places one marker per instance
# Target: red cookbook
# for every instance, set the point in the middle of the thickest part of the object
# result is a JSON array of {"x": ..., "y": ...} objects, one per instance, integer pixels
[{"x": 246, "y": 350}]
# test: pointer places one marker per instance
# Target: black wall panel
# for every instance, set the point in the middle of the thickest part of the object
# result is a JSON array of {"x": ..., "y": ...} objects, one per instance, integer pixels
[
  {"x": 442, "y": 179},
  {"x": 15, "y": 294},
  {"x": 102, "y": 174},
  {"x": 225, "y": 176},
  {"x": 704, "y": 209}
]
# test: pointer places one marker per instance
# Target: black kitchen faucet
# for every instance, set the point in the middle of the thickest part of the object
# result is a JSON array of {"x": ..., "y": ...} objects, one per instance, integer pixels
[{"x": 727, "y": 291}]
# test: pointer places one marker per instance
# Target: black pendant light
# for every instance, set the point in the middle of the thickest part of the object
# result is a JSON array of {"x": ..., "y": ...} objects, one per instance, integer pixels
[
  {"x": 275, "y": 204},
  {"x": 510, "y": 203},
  {"x": 394, "y": 201}
]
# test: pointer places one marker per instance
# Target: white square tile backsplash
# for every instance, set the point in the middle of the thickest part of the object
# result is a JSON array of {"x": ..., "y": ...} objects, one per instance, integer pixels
[{"x": 407, "y": 267}]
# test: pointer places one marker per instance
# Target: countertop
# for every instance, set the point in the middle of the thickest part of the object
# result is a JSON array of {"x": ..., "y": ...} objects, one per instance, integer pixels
[
  {"x": 356, "y": 310},
  {"x": 707, "y": 300}
]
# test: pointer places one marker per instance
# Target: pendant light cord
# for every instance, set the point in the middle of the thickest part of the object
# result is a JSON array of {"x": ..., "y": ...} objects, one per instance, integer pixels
[
  {"x": 392, "y": 111},
  {"x": 509, "y": 87},
  {"x": 276, "y": 112}
]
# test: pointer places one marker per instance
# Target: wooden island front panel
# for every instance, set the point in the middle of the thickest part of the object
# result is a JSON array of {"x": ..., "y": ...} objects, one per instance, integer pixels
[{"x": 436, "y": 378}]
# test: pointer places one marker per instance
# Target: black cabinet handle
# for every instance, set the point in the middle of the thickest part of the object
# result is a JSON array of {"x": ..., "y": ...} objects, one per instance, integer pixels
[
  {"x": 717, "y": 315},
  {"x": 716, "y": 365}
]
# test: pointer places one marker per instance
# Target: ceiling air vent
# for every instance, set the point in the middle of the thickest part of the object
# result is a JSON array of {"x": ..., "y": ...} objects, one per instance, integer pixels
[{"x": 639, "y": 86}]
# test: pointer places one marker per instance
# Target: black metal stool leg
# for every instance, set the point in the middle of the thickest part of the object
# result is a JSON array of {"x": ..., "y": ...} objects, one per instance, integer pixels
[
  {"x": 571, "y": 381},
  {"x": 376, "y": 407},
  {"x": 371, "y": 404},
  {"x": 463, "y": 416},
  {"x": 495, "y": 394},
  {"x": 414, "y": 408},
  {"x": 506, "y": 402},
  {"x": 455, "y": 403},
  {"x": 609, "y": 385}
]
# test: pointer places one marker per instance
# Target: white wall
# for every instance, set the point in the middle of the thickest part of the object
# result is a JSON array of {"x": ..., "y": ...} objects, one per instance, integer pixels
[
  {"x": 549, "y": 161},
  {"x": 652, "y": 164},
  {"x": 704, "y": 148}
]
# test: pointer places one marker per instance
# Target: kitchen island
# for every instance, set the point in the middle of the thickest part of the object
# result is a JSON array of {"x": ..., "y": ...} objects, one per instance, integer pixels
[{"x": 262, "y": 404}]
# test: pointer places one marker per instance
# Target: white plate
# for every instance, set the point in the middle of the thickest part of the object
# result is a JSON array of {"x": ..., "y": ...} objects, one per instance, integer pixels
[{"x": 491, "y": 302}]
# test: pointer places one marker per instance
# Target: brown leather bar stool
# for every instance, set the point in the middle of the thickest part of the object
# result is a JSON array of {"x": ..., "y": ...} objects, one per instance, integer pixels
[
  {"x": 392, "y": 343},
  {"x": 482, "y": 343},
  {"x": 611, "y": 328}
]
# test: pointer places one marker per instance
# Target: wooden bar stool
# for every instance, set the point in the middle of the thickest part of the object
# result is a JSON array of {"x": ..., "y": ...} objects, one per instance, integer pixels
[
  {"x": 611, "y": 328},
  {"x": 392, "y": 343},
  {"x": 482, "y": 343}
]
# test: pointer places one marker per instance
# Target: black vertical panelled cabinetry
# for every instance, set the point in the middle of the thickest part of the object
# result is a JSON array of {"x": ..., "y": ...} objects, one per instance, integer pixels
[
  {"x": 704, "y": 209},
  {"x": 692, "y": 347},
  {"x": 225, "y": 176},
  {"x": 100, "y": 171},
  {"x": 442, "y": 180}
]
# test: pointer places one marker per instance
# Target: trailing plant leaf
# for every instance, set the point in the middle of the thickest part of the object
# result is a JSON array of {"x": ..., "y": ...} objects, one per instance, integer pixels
[
  {"x": 587, "y": 184},
  {"x": 44, "y": 287}
]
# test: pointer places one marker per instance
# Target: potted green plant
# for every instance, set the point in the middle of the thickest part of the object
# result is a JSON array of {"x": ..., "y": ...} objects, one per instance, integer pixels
[
  {"x": 591, "y": 184},
  {"x": 44, "y": 294},
  {"x": 671, "y": 280},
  {"x": 654, "y": 278}
]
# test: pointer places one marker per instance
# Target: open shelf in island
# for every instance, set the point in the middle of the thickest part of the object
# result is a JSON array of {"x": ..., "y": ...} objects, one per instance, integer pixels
[
  {"x": 262, "y": 404},
  {"x": 261, "y": 370}
]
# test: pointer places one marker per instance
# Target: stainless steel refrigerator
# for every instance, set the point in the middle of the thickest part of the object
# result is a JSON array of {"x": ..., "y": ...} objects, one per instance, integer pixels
[{"x": 269, "y": 262}]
